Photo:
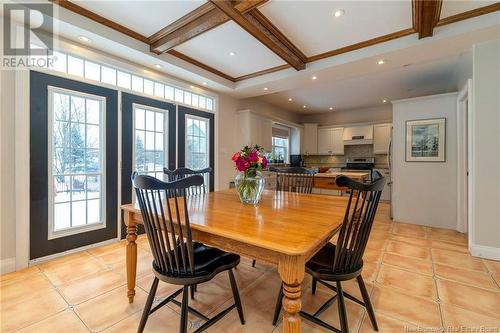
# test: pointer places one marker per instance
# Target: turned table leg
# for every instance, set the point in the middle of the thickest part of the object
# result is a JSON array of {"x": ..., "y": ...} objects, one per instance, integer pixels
[
  {"x": 131, "y": 256},
  {"x": 291, "y": 270}
]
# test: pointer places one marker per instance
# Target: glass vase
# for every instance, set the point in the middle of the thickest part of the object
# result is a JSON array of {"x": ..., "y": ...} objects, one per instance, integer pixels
[{"x": 249, "y": 187}]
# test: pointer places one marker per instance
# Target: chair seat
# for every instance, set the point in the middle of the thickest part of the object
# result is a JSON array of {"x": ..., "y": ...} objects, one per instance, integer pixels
[
  {"x": 208, "y": 261},
  {"x": 320, "y": 265}
]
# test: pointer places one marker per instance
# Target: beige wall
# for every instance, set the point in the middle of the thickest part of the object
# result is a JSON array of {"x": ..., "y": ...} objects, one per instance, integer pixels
[
  {"x": 425, "y": 192},
  {"x": 267, "y": 109},
  {"x": 7, "y": 167},
  {"x": 361, "y": 115},
  {"x": 486, "y": 147}
]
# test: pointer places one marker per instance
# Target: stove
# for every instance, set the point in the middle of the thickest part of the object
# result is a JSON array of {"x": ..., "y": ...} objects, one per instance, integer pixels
[{"x": 361, "y": 164}]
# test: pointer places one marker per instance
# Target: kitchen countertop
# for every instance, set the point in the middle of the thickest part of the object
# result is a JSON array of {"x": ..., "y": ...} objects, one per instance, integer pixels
[{"x": 337, "y": 174}]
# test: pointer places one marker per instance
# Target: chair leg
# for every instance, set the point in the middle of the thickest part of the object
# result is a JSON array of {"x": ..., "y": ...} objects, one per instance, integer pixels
[
  {"x": 314, "y": 283},
  {"x": 184, "y": 310},
  {"x": 192, "y": 289},
  {"x": 368, "y": 304},
  {"x": 236, "y": 296},
  {"x": 147, "y": 306},
  {"x": 342, "y": 309},
  {"x": 253, "y": 262},
  {"x": 279, "y": 304}
]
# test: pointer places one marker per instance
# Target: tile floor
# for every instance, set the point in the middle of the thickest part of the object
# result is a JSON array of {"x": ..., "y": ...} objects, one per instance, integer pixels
[{"x": 418, "y": 277}]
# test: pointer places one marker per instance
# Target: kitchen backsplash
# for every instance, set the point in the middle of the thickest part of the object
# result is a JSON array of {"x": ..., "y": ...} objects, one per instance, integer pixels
[{"x": 353, "y": 151}]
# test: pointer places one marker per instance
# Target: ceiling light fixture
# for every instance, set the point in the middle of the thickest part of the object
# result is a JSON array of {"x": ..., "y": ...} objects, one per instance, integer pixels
[
  {"x": 330, "y": 108},
  {"x": 204, "y": 83},
  {"x": 304, "y": 107},
  {"x": 192, "y": 87},
  {"x": 232, "y": 53},
  {"x": 339, "y": 13},
  {"x": 266, "y": 88},
  {"x": 381, "y": 62},
  {"x": 158, "y": 66},
  {"x": 384, "y": 101},
  {"x": 314, "y": 77},
  {"x": 84, "y": 39},
  {"x": 290, "y": 99}
]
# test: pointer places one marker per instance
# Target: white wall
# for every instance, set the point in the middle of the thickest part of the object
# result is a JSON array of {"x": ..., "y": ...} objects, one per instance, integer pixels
[
  {"x": 7, "y": 168},
  {"x": 351, "y": 116},
  {"x": 425, "y": 192},
  {"x": 486, "y": 150}
]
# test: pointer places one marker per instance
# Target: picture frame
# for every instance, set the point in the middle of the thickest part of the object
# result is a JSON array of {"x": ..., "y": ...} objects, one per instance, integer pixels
[{"x": 426, "y": 140}]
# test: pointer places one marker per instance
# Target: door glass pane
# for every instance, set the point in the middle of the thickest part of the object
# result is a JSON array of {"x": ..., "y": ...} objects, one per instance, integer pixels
[
  {"x": 150, "y": 150},
  {"x": 77, "y": 155},
  {"x": 197, "y": 150}
]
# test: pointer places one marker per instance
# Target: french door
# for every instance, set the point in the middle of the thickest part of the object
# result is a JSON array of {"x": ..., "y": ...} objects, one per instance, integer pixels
[
  {"x": 73, "y": 162},
  {"x": 148, "y": 140},
  {"x": 196, "y": 141}
]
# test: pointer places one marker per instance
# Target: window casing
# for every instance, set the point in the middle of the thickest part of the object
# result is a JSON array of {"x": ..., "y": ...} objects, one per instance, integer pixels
[{"x": 76, "y": 165}]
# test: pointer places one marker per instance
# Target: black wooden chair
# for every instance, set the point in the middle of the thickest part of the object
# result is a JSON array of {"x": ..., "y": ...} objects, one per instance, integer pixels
[
  {"x": 181, "y": 173},
  {"x": 293, "y": 179},
  {"x": 177, "y": 259},
  {"x": 344, "y": 261}
]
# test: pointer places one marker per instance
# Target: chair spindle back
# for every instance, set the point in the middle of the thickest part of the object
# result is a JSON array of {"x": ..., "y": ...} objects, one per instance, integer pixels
[
  {"x": 166, "y": 221},
  {"x": 357, "y": 223},
  {"x": 181, "y": 173},
  {"x": 296, "y": 179}
]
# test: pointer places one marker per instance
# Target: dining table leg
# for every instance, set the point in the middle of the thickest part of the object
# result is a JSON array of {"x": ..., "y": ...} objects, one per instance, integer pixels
[
  {"x": 131, "y": 256},
  {"x": 291, "y": 270}
]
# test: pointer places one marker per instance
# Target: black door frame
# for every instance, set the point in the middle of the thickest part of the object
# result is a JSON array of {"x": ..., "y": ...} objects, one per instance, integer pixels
[
  {"x": 182, "y": 111},
  {"x": 40, "y": 246},
  {"x": 128, "y": 100}
]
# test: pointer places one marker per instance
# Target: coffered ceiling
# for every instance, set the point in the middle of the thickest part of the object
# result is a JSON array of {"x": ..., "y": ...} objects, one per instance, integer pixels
[{"x": 239, "y": 40}]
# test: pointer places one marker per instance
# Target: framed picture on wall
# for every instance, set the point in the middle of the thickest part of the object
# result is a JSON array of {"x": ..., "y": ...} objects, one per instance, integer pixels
[{"x": 426, "y": 140}]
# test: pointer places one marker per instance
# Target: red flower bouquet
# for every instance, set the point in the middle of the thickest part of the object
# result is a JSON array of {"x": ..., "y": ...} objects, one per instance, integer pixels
[{"x": 250, "y": 161}]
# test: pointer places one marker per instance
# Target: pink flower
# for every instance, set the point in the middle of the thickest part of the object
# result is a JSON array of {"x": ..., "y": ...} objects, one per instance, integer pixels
[
  {"x": 264, "y": 162},
  {"x": 242, "y": 164},
  {"x": 253, "y": 156}
]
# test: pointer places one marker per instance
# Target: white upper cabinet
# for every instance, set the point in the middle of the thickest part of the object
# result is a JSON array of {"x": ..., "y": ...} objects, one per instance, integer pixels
[
  {"x": 358, "y": 132},
  {"x": 330, "y": 141},
  {"x": 310, "y": 139},
  {"x": 381, "y": 138}
]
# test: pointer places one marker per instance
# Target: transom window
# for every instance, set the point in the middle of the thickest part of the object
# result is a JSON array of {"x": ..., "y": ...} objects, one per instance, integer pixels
[
  {"x": 150, "y": 143},
  {"x": 76, "y": 165}
]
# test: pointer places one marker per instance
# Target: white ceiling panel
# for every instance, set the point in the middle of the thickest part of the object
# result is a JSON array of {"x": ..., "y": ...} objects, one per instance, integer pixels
[
  {"x": 313, "y": 28},
  {"x": 213, "y": 48},
  {"x": 144, "y": 17},
  {"x": 453, "y": 7},
  {"x": 370, "y": 90}
]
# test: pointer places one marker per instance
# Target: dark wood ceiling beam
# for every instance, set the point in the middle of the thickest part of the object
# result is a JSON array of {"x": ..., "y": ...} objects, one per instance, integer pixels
[
  {"x": 195, "y": 23},
  {"x": 426, "y": 15},
  {"x": 469, "y": 14},
  {"x": 259, "y": 31}
]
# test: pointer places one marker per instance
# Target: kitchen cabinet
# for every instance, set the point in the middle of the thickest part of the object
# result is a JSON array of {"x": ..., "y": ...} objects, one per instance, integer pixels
[
  {"x": 358, "y": 135},
  {"x": 381, "y": 138},
  {"x": 310, "y": 139},
  {"x": 255, "y": 130},
  {"x": 330, "y": 141}
]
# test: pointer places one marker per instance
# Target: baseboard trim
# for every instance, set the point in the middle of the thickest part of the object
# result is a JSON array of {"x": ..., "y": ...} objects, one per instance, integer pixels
[
  {"x": 7, "y": 265},
  {"x": 486, "y": 252}
]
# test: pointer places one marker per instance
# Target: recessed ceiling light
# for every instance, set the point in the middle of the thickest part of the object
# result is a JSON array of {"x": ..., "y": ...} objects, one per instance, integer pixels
[
  {"x": 330, "y": 108},
  {"x": 266, "y": 88},
  {"x": 290, "y": 99},
  {"x": 158, "y": 66},
  {"x": 192, "y": 87},
  {"x": 381, "y": 62},
  {"x": 84, "y": 39},
  {"x": 204, "y": 83},
  {"x": 232, "y": 53},
  {"x": 339, "y": 13},
  {"x": 314, "y": 77},
  {"x": 384, "y": 101},
  {"x": 304, "y": 106}
]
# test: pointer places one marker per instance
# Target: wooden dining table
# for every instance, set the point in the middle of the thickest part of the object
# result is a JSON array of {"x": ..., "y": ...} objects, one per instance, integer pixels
[{"x": 285, "y": 229}]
